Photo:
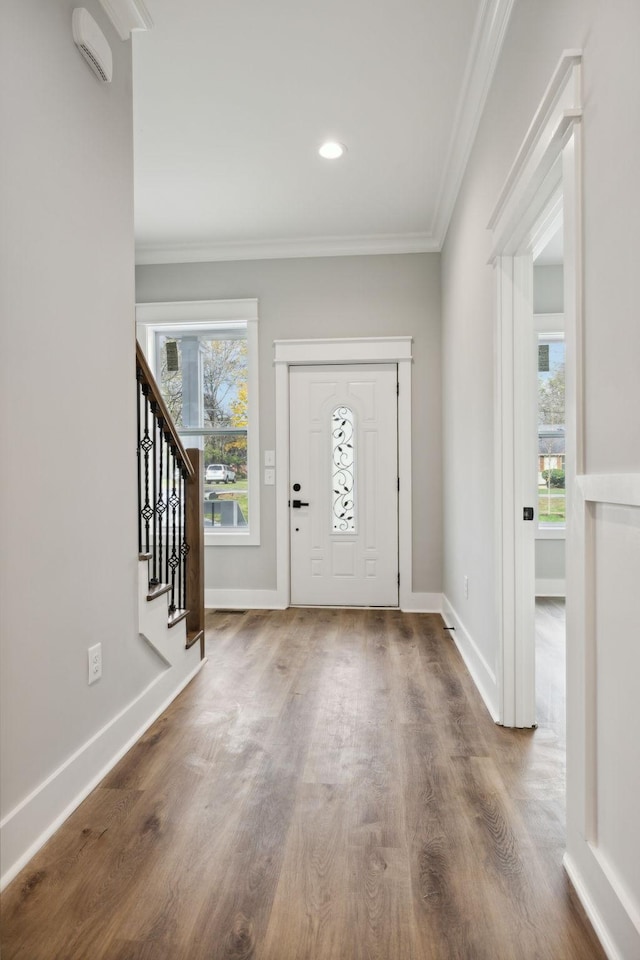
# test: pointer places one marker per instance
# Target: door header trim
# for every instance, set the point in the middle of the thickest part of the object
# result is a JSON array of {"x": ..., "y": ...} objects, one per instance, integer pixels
[{"x": 343, "y": 350}]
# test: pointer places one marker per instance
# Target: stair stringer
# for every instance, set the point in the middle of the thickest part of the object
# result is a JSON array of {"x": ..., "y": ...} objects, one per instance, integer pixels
[{"x": 168, "y": 643}]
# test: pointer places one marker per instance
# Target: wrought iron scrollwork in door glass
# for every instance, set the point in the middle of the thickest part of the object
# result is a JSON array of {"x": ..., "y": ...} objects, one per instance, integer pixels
[{"x": 343, "y": 470}]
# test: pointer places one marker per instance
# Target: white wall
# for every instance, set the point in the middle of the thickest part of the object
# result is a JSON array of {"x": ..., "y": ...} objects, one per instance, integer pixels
[
  {"x": 329, "y": 297},
  {"x": 537, "y": 35},
  {"x": 68, "y": 565}
]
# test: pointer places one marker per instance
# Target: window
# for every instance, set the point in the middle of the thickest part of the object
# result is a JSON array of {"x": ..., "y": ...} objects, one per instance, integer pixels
[
  {"x": 551, "y": 426},
  {"x": 204, "y": 357}
]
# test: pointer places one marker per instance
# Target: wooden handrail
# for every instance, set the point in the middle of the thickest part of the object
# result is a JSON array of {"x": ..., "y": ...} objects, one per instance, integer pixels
[{"x": 146, "y": 377}]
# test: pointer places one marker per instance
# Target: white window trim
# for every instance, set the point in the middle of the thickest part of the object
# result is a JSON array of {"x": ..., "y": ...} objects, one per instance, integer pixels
[
  {"x": 549, "y": 324},
  {"x": 551, "y": 533},
  {"x": 193, "y": 315}
]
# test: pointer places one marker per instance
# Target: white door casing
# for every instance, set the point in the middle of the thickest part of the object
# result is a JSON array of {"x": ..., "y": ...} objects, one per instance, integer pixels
[
  {"x": 344, "y": 463},
  {"x": 546, "y": 167}
]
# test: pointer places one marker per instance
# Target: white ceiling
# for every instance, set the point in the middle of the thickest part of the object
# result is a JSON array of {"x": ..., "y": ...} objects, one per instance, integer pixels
[{"x": 233, "y": 97}]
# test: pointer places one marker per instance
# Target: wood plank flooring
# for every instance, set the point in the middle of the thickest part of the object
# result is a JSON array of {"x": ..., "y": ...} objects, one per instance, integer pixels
[
  {"x": 330, "y": 787},
  {"x": 550, "y": 665}
]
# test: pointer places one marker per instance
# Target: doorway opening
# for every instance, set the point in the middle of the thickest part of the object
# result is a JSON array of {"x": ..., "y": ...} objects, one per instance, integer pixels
[
  {"x": 542, "y": 187},
  {"x": 551, "y": 501}
]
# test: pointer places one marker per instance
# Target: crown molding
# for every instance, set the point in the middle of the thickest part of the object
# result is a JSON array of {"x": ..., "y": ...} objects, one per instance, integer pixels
[
  {"x": 287, "y": 249},
  {"x": 127, "y": 15},
  {"x": 488, "y": 37}
]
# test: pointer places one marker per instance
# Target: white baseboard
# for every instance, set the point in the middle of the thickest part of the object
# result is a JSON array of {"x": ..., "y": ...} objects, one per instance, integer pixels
[
  {"x": 551, "y": 588},
  {"x": 273, "y": 600},
  {"x": 601, "y": 928},
  {"x": 481, "y": 673},
  {"x": 244, "y": 600},
  {"x": 421, "y": 603},
  {"x": 29, "y": 825}
]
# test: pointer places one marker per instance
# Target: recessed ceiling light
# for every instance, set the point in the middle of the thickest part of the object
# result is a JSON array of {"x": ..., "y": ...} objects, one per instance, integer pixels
[{"x": 331, "y": 150}]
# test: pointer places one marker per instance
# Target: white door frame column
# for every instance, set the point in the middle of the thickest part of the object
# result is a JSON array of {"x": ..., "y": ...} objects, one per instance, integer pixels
[
  {"x": 548, "y": 165},
  {"x": 343, "y": 351}
]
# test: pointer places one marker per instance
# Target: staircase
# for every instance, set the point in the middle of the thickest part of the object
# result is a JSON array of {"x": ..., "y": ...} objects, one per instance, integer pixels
[
  {"x": 162, "y": 629},
  {"x": 170, "y": 527}
]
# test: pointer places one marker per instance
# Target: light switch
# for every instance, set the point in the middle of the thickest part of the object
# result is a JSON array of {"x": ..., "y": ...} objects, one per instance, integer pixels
[
  {"x": 269, "y": 458},
  {"x": 269, "y": 477}
]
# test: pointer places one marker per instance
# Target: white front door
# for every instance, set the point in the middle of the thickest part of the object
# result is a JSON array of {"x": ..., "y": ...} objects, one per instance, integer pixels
[{"x": 344, "y": 485}]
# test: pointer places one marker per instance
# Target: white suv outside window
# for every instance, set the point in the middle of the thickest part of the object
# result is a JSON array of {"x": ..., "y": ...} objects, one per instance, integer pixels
[{"x": 220, "y": 472}]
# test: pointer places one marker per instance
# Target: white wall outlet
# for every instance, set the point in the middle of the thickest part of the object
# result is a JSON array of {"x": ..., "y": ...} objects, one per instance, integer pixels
[
  {"x": 269, "y": 477},
  {"x": 95, "y": 662},
  {"x": 466, "y": 588},
  {"x": 269, "y": 458}
]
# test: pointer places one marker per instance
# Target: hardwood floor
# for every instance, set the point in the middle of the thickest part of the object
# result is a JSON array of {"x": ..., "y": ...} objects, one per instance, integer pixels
[
  {"x": 550, "y": 665},
  {"x": 330, "y": 787}
]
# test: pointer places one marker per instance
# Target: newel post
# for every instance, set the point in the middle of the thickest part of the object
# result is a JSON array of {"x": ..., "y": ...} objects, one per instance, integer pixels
[{"x": 194, "y": 529}]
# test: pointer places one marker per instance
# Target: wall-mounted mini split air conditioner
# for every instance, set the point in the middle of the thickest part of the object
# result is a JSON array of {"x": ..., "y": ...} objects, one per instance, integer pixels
[{"x": 92, "y": 44}]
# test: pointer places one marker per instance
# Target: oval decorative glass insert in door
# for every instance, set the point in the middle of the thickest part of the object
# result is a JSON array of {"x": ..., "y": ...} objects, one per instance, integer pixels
[{"x": 343, "y": 470}]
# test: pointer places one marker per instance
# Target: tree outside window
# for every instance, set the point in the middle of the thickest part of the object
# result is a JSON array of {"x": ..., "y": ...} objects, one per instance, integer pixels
[{"x": 204, "y": 382}]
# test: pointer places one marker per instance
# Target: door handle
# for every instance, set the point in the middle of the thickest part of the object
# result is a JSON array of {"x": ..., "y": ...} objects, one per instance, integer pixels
[{"x": 296, "y": 504}]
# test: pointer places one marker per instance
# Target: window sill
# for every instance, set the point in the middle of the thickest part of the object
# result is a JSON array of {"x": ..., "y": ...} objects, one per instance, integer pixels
[
  {"x": 551, "y": 533},
  {"x": 231, "y": 539}
]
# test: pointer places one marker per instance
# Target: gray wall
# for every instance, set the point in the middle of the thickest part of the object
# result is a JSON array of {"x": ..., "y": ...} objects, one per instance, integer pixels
[
  {"x": 68, "y": 565},
  {"x": 329, "y": 297},
  {"x": 537, "y": 35}
]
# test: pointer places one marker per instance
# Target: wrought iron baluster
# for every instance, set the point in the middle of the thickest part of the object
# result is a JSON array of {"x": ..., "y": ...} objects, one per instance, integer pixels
[
  {"x": 174, "y": 502},
  {"x": 160, "y": 502},
  {"x": 138, "y": 399},
  {"x": 179, "y": 544},
  {"x": 146, "y": 444},
  {"x": 184, "y": 547},
  {"x": 154, "y": 579},
  {"x": 168, "y": 516}
]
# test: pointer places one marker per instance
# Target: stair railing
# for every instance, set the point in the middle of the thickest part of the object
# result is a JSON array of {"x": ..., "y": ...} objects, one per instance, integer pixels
[{"x": 170, "y": 506}]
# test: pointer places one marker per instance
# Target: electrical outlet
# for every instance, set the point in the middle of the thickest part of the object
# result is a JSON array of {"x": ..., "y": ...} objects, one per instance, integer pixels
[
  {"x": 466, "y": 588},
  {"x": 269, "y": 477},
  {"x": 95, "y": 662}
]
